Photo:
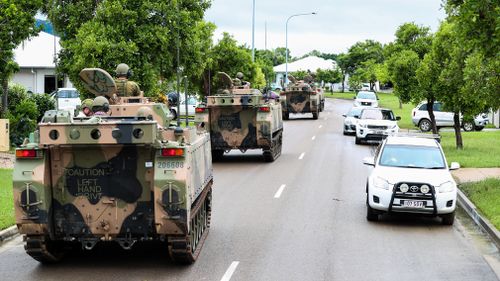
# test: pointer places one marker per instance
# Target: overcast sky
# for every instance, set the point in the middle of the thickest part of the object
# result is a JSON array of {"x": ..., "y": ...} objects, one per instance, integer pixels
[{"x": 338, "y": 24}]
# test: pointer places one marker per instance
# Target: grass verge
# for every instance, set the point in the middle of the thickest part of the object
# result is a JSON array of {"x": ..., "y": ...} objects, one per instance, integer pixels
[
  {"x": 343, "y": 96},
  {"x": 481, "y": 149},
  {"x": 6, "y": 199},
  {"x": 485, "y": 195}
]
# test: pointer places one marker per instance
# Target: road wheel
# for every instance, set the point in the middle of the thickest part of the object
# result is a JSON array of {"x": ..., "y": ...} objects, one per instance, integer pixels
[
  {"x": 316, "y": 115},
  {"x": 468, "y": 126},
  {"x": 286, "y": 115},
  {"x": 217, "y": 154},
  {"x": 448, "y": 219},
  {"x": 425, "y": 125},
  {"x": 345, "y": 133},
  {"x": 357, "y": 140},
  {"x": 371, "y": 214},
  {"x": 44, "y": 250}
]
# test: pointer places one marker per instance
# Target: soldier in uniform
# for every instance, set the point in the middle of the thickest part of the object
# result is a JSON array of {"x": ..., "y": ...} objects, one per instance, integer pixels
[
  {"x": 126, "y": 88},
  {"x": 100, "y": 106},
  {"x": 86, "y": 108}
]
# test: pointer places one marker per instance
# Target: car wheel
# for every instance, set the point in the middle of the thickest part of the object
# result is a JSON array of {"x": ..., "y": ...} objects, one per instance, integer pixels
[
  {"x": 371, "y": 214},
  {"x": 479, "y": 128},
  {"x": 345, "y": 133},
  {"x": 425, "y": 125},
  {"x": 468, "y": 126},
  {"x": 174, "y": 113},
  {"x": 357, "y": 140},
  {"x": 448, "y": 219}
]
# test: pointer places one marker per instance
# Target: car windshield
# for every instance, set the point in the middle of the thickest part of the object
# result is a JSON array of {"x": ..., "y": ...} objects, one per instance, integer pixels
[
  {"x": 412, "y": 157},
  {"x": 66, "y": 94},
  {"x": 354, "y": 112},
  {"x": 376, "y": 114},
  {"x": 366, "y": 95}
]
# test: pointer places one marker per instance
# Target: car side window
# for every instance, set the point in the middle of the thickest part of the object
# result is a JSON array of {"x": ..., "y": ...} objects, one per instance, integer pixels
[
  {"x": 437, "y": 106},
  {"x": 423, "y": 107}
]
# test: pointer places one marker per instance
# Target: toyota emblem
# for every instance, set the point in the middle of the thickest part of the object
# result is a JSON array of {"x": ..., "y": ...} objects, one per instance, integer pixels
[{"x": 414, "y": 188}]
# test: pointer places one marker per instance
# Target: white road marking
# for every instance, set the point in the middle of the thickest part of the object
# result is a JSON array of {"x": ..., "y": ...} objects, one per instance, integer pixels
[
  {"x": 302, "y": 155},
  {"x": 230, "y": 271},
  {"x": 280, "y": 190},
  {"x": 313, "y": 138},
  {"x": 320, "y": 126}
]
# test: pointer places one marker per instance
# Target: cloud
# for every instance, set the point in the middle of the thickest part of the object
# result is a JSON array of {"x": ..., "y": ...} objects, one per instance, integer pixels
[{"x": 337, "y": 26}]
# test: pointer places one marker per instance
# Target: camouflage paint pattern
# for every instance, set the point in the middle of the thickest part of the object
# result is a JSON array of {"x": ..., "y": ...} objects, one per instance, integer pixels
[
  {"x": 107, "y": 178},
  {"x": 239, "y": 118},
  {"x": 300, "y": 97}
]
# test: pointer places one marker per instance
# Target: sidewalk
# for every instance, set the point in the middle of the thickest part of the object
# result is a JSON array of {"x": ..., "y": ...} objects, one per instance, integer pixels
[{"x": 464, "y": 175}]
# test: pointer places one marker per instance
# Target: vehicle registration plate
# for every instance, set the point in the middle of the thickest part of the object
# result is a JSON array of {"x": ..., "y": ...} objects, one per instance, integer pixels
[
  {"x": 379, "y": 132},
  {"x": 413, "y": 204},
  {"x": 170, "y": 164}
]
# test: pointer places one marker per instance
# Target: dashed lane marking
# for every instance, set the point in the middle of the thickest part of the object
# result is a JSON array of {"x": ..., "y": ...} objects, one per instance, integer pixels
[
  {"x": 280, "y": 190},
  {"x": 302, "y": 155},
  {"x": 320, "y": 126},
  {"x": 230, "y": 271},
  {"x": 313, "y": 138}
]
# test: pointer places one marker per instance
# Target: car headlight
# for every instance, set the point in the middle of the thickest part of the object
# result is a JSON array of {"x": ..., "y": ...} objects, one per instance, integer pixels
[
  {"x": 379, "y": 182},
  {"x": 348, "y": 122},
  {"x": 356, "y": 103},
  {"x": 361, "y": 125},
  {"x": 446, "y": 187}
]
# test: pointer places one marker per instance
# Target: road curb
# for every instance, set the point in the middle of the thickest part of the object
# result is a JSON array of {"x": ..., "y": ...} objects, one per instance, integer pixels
[
  {"x": 471, "y": 210},
  {"x": 8, "y": 233}
]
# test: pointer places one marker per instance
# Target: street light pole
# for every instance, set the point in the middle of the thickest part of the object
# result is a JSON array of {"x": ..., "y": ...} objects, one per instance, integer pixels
[
  {"x": 253, "y": 31},
  {"x": 286, "y": 42}
]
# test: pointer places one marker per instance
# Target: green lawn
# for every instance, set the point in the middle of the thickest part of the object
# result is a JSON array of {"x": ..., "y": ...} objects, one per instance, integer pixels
[
  {"x": 481, "y": 149},
  {"x": 485, "y": 195},
  {"x": 343, "y": 96},
  {"x": 6, "y": 199}
]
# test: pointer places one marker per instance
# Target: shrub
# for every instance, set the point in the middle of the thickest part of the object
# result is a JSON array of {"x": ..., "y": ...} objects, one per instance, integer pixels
[{"x": 43, "y": 104}]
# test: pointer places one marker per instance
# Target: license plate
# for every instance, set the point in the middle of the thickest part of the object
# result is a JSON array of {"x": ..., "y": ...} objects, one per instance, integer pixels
[
  {"x": 414, "y": 204},
  {"x": 380, "y": 132},
  {"x": 170, "y": 164}
]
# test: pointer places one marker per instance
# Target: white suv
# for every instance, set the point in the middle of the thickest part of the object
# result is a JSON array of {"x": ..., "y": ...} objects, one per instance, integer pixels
[
  {"x": 375, "y": 124},
  {"x": 420, "y": 118},
  {"x": 67, "y": 99},
  {"x": 366, "y": 98},
  {"x": 411, "y": 175}
]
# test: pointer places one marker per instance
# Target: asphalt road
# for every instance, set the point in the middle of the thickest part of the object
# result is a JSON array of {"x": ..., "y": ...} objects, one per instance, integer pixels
[{"x": 299, "y": 218}]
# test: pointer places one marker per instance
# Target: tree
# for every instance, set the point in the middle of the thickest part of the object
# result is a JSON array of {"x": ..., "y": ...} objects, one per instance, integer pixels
[
  {"x": 229, "y": 57},
  {"x": 402, "y": 67},
  {"x": 410, "y": 36},
  {"x": 264, "y": 59},
  {"x": 328, "y": 75},
  {"x": 146, "y": 37},
  {"x": 345, "y": 64},
  {"x": 17, "y": 19}
]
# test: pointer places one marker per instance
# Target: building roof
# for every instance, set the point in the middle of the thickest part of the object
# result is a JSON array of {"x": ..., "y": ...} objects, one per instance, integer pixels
[
  {"x": 311, "y": 63},
  {"x": 37, "y": 52}
]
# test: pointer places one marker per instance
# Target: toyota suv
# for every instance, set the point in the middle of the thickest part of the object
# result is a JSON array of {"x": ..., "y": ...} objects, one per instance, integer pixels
[
  {"x": 411, "y": 175},
  {"x": 375, "y": 124},
  {"x": 420, "y": 118}
]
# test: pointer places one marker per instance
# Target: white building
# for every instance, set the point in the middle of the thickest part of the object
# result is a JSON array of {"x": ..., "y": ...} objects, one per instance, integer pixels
[
  {"x": 35, "y": 58},
  {"x": 311, "y": 63}
]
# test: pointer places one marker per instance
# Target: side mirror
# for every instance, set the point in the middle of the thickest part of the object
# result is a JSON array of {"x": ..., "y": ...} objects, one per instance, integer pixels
[
  {"x": 344, "y": 115},
  {"x": 454, "y": 166},
  {"x": 354, "y": 98},
  {"x": 398, "y": 118},
  {"x": 370, "y": 161}
]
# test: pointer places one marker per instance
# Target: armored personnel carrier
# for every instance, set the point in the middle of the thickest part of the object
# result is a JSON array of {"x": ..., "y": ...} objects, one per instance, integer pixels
[
  {"x": 125, "y": 177},
  {"x": 301, "y": 97},
  {"x": 239, "y": 117}
]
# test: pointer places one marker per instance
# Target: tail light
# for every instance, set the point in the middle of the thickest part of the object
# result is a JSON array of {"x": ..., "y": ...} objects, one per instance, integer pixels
[
  {"x": 26, "y": 153},
  {"x": 200, "y": 110},
  {"x": 264, "y": 109},
  {"x": 413, "y": 113},
  {"x": 172, "y": 152}
]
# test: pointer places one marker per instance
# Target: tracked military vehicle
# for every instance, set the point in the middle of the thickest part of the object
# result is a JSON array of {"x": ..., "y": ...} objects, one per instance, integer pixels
[
  {"x": 301, "y": 97},
  {"x": 126, "y": 177},
  {"x": 239, "y": 117}
]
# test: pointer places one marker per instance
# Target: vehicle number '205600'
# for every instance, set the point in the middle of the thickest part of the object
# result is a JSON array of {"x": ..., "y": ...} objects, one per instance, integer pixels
[{"x": 170, "y": 164}]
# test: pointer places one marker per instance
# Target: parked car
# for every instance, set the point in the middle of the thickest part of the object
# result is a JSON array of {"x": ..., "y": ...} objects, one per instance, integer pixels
[
  {"x": 365, "y": 87},
  {"x": 420, "y": 118},
  {"x": 366, "y": 98},
  {"x": 351, "y": 119},
  {"x": 192, "y": 103},
  {"x": 66, "y": 99},
  {"x": 411, "y": 175},
  {"x": 375, "y": 124}
]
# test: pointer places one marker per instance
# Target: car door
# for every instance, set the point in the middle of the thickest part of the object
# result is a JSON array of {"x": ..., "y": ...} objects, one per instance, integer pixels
[{"x": 443, "y": 118}]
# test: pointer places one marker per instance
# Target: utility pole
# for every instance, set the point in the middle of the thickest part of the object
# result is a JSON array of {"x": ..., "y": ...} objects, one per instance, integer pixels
[{"x": 253, "y": 31}]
